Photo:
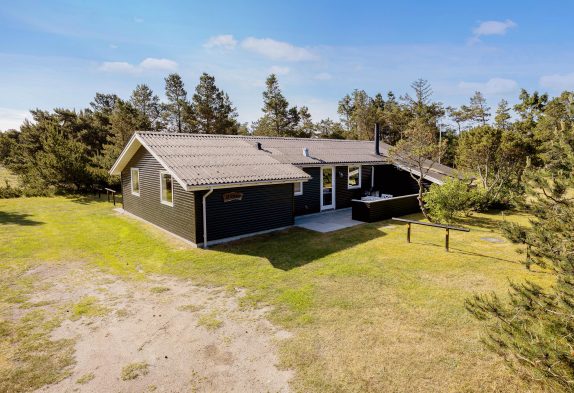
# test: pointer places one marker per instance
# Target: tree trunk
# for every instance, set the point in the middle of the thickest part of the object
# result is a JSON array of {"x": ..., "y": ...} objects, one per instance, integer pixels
[{"x": 420, "y": 199}]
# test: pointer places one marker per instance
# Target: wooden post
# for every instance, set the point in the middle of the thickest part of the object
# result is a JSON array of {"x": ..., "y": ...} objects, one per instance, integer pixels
[
  {"x": 114, "y": 197},
  {"x": 409, "y": 233},
  {"x": 108, "y": 195},
  {"x": 446, "y": 240}
]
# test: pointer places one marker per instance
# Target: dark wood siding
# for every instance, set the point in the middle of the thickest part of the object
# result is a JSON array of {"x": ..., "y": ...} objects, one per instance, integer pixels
[
  {"x": 179, "y": 218},
  {"x": 261, "y": 208},
  {"x": 384, "y": 209},
  {"x": 391, "y": 180},
  {"x": 310, "y": 201},
  {"x": 344, "y": 195}
]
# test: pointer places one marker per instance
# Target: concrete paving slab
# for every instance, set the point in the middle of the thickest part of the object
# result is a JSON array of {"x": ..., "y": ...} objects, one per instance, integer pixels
[{"x": 327, "y": 221}]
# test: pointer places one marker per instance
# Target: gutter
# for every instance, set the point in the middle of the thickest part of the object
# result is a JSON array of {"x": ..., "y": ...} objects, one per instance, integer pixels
[{"x": 204, "y": 205}]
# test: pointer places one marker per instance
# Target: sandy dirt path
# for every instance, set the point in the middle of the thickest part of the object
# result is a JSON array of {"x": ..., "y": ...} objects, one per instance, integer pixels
[{"x": 185, "y": 338}]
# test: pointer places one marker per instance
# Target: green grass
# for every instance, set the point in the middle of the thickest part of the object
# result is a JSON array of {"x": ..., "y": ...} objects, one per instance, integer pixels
[
  {"x": 190, "y": 308},
  {"x": 87, "y": 307},
  {"x": 134, "y": 370},
  {"x": 369, "y": 312},
  {"x": 84, "y": 379},
  {"x": 159, "y": 289},
  {"x": 210, "y": 321}
]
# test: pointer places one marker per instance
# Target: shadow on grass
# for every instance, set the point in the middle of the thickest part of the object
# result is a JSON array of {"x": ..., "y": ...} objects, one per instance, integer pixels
[
  {"x": 90, "y": 199},
  {"x": 297, "y": 247},
  {"x": 17, "y": 219}
]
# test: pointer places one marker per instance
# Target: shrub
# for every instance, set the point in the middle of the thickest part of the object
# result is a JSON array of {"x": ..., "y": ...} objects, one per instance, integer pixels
[
  {"x": 10, "y": 192},
  {"x": 454, "y": 198}
]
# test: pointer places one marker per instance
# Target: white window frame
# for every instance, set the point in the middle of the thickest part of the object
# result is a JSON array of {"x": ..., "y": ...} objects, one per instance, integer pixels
[
  {"x": 132, "y": 181},
  {"x": 161, "y": 188},
  {"x": 295, "y": 193},
  {"x": 349, "y": 187},
  {"x": 333, "y": 204}
]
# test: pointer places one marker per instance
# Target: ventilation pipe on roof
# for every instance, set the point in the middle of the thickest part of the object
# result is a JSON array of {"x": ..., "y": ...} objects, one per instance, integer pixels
[
  {"x": 377, "y": 138},
  {"x": 306, "y": 151},
  {"x": 259, "y": 146},
  {"x": 204, "y": 203}
]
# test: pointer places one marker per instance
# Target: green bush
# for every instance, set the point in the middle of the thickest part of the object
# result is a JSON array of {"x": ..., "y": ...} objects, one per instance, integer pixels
[
  {"x": 10, "y": 192},
  {"x": 456, "y": 197}
]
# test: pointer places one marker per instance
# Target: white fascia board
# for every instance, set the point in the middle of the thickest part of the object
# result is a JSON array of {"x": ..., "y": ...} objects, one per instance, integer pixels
[
  {"x": 248, "y": 184},
  {"x": 131, "y": 148},
  {"x": 125, "y": 156},
  {"x": 417, "y": 173}
]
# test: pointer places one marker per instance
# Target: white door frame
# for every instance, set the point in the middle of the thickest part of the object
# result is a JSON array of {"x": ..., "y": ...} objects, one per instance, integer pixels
[{"x": 333, "y": 182}]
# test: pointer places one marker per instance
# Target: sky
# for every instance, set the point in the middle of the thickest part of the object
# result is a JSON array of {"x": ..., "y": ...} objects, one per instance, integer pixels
[{"x": 60, "y": 53}]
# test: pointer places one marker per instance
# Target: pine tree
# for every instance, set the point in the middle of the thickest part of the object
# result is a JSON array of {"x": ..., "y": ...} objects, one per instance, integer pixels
[
  {"x": 418, "y": 150},
  {"x": 502, "y": 118},
  {"x": 148, "y": 105},
  {"x": 531, "y": 106},
  {"x": 306, "y": 127},
  {"x": 212, "y": 110},
  {"x": 394, "y": 119},
  {"x": 345, "y": 111},
  {"x": 535, "y": 327},
  {"x": 459, "y": 116},
  {"x": 479, "y": 110},
  {"x": 177, "y": 108},
  {"x": 276, "y": 119}
]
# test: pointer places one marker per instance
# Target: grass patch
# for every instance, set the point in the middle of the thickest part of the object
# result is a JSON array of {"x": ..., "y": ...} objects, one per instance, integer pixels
[
  {"x": 84, "y": 379},
  {"x": 159, "y": 289},
  {"x": 190, "y": 308},
  {"x": 29, "y": 359},
  {"x": 210, "y": 321},
  {"x": 369, "y": 311},
  {"x": 134, "y": 370},
  {"x": 87, "y": 307}
]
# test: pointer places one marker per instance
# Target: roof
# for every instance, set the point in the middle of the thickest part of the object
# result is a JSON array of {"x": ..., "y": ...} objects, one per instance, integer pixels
[
  {"x": 200, "y": 161},
  {"x": 321, "y": 151}
]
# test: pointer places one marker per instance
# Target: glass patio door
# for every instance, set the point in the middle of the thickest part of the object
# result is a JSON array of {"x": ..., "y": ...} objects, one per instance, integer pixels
[{"x": 327, "y": 188}]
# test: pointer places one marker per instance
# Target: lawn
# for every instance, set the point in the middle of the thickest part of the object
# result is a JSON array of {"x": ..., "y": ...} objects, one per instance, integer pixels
[{"x": 368, "y": 311}]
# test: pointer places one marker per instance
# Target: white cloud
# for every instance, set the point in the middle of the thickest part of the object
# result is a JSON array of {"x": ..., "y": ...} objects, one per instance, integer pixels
[
  {"x": 491, "y": 27},
  {"x": 494, "y": 86},
  {"x": 118, "y": 66},
  {"x": 11, "y": 118},
  {"x": 158, "y": 64},
  {"x": 277, "y": 50},
  {"x": 137, "y": 19},
  {"x": 225, "y": 41},
  {"x": 323, "y": 76},
  {"x": 148, "y": 64},
  {"x": 279, "y": 70},
  {"x": 113, "y": 46},
  {"x": 558, "y": 81}
]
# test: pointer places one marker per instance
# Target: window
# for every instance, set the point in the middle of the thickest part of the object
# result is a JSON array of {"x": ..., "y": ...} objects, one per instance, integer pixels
[
  {"x": 166, "y": 188},
  {"x": 135, "y": 178},
  {"x": 354, "y": 177},
  {"x": 298, "y": 188}
]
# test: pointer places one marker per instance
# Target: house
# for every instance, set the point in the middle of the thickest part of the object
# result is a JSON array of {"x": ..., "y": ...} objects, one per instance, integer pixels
[{"x": 213, "y": 188}]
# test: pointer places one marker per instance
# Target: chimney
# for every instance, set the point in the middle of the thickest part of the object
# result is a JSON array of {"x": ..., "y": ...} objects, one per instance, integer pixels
[
  {"x": 258, "y": 145},
  {"x": 377, "y": 139},
  {"x": 306, "y": 151}
]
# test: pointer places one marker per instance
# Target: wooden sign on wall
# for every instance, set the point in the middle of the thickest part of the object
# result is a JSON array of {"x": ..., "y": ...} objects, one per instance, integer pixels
[{"x": 232, "y": 196}]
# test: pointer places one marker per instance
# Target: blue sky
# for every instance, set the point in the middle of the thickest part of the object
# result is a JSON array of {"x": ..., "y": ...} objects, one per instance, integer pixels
[{"x": 60, "y": 53}]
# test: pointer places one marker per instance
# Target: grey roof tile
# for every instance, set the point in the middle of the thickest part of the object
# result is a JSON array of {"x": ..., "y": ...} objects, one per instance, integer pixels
[{"x": 200, "y": 160}]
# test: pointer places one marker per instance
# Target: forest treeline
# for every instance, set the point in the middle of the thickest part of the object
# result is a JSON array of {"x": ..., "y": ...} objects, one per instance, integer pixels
[
  {"x": 64, "y": 150},
  {"x": 520, "y": 156}
]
